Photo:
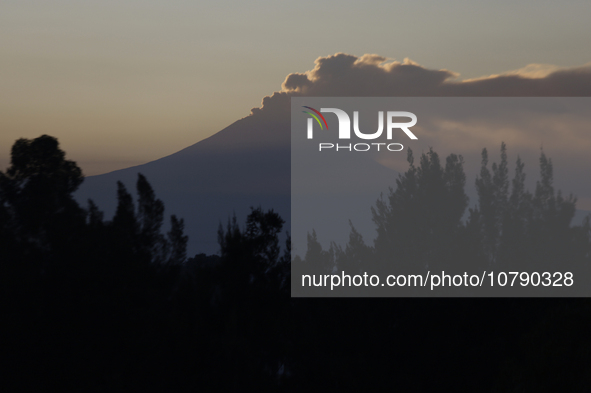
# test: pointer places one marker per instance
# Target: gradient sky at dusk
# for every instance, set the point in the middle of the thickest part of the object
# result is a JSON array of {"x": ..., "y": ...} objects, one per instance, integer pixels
[{"x": 122, "y": 83}]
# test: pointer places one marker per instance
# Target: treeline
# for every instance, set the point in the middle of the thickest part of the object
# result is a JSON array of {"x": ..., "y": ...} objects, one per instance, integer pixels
[
  {"x": 114, "y": 305},
  {"x": 425, "y": 224},
  {"x": 99, "y": 305}
]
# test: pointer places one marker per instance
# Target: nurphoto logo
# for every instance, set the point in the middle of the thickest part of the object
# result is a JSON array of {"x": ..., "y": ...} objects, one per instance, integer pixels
[{"x": 344, "y": 130}]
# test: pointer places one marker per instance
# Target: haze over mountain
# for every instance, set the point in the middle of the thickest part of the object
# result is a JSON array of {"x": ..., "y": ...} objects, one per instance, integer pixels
[{"x": 248, "y": 163}]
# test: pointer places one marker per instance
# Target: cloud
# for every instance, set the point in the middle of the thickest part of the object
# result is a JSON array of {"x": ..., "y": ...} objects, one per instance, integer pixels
[
  {"x": 560, "y": 127},
  {"x": 376, "y": 76},
  {"x": 344, "y": 74},
  {"x": 532, "y": 71}
]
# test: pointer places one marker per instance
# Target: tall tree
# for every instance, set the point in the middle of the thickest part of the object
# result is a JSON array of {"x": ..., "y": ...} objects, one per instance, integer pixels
[
  {"x": 150, "y": 214},
  {"x": 37, "y": 189},
  {"x": 178, "y": 241},
  {"x": 356, "y": 254},
  {"x": 492, "y": 192},
  {"x": 550, "y": 227},
  {"x": 419, "y": 223}
]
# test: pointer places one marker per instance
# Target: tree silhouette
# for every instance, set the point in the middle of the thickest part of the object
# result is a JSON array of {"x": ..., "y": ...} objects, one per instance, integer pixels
[
  {"x": 418, "y": 225},
  {"x": 355, "y": 255},
  {"x": 251, "y": 278},
  {"x": 493, "y": 193},
  {"x": 76, "y": 286},
  {"x": 140, "y": 231},
  {"x": 252, "y": 254},
  {"x": 501, "y": 344},
  {"x": 178, "y": 241},
  {"x": 521, "y": 230},
  {"x": 91, "y": 304},
  {"x": 36, "y": 192},
  {"x": 316, "y": 259}
]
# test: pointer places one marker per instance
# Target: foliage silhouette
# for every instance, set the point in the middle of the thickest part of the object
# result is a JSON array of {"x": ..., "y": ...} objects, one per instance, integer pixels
[
  {"x": 420, "y": 225},
  {"x": 114, "y": 305},
  {"x": 70, "y": 277}
]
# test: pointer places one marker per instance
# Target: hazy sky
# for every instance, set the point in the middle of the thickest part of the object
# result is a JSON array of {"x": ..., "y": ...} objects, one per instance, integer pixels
[{"x": 121, "y": 83}]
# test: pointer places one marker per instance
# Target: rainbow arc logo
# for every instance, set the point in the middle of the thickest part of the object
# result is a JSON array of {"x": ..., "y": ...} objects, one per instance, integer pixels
[{"x": 316, "y": 117}]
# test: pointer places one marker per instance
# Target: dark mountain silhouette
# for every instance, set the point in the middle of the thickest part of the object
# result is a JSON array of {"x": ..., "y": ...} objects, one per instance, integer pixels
[
  {"x": 243, "y": 165},
  {"x": 246, "y": 164}
]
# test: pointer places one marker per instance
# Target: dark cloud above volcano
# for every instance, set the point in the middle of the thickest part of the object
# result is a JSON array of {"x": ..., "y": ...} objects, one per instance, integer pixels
[{"x": 376, "y": 76}]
